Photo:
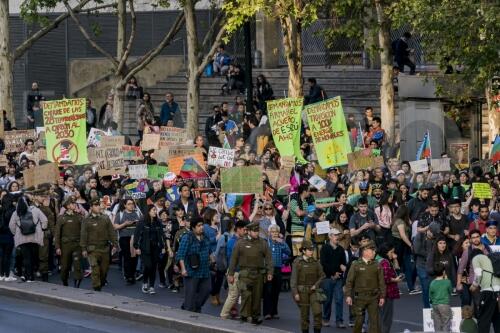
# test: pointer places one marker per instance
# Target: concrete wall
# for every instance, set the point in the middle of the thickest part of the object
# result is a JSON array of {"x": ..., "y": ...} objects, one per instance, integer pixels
[{"x": 91, "y": 77}]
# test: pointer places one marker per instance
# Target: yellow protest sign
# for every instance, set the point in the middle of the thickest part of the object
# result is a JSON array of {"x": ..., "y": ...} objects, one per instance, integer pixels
[{"x": 482, "y": 190}]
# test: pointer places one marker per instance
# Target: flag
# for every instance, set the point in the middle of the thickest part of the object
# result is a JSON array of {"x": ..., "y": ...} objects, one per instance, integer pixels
[
  {"x": 239, "y": 201},
  {"x": 495, "y": 150},
  {"x": 226, "y": 144},
  {"x": 425, "y": 148},
  {"x": 191, "y": 169},
  {"x": 359, "y": 138}
]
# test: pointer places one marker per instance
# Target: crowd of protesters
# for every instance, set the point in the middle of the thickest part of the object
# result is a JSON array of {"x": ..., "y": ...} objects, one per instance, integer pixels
[{"x": 427, "y": 232}]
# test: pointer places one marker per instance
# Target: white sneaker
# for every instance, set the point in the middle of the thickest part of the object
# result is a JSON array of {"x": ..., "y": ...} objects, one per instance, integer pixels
[
  {"x": 145, "y": 288},
  {"x": 2, "y": 278},
  {"x": 152, "y": 291},
  {"x": 10, "y": 278}
]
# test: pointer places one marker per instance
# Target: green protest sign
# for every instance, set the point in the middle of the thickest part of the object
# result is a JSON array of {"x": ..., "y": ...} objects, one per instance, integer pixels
[
  {"x": 242, "y": 180},
  {"x": 482, "y": 190},
  {"x": 329, "y": 132},
  {"x": 157, "y": 171},
  {"x": 285, "y": 118}
]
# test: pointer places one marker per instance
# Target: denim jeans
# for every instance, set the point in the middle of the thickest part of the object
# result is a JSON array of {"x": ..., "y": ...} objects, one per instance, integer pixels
[
  {"x": 333, "y": 291},
  {"x": 424, "y": 283}
]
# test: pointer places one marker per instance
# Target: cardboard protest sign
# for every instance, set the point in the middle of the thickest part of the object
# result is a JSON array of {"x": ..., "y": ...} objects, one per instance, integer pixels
[
  {"x": 131, "y": 153},
  {"x": 150, "y": 142},
  {"x": 246, "y": 179},
  {"x": 95, "y": 137},
  {"x": 364, "y": 159},
  {"x": 113, "y": 141},
  {"x": 175, "y": 163},
  {"x": 156, "y": 171},
  {"x": 317, "y": 182},
  {"x": 39, "y": 155},
  {"x": 172, "y": 136},
  {"x": 47, "y": 173},
  {"x": 165, "y": 153},
  {"x": 221, "y": 157},
  {"x": 108, "y": 161},
  {"x": 287, "y": 162},
  {"x": 329, "y": 132},
  {"x": 66, "y": 130},
  {"x": 322, "y": 227},
  {"x": 440, "y": 164},
  {"x": 285, "y": 119},
  {"x": 138, "y": 171},
  {"x": 14, "y": 140},
  {"x": 419, "y": 166},
  {"x": 3, "y": 161},
  {"x": 482, "y": 190}
]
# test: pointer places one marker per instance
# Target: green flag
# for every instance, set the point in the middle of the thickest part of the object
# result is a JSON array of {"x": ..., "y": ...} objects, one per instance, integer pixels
[
  {"x": 329, "y": 132},
  {"x": 285, "y": 118},
  {"x": 65, "y": 130}
]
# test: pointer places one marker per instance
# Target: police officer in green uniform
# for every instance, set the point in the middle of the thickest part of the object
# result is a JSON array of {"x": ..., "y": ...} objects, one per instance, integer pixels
[
  {"x": 42, "y": 201},
  {"x": 67, "y": 242},
  {"x": 253, "y": 256},
  {"x": 96, "y": 235},
  {"x": 365, "y": 289},
  {"x": 307, "y": 274}
]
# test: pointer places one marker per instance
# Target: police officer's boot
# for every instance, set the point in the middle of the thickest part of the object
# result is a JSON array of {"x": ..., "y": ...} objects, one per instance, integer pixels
[
  {"x": 76, "y": 283},
  {"x": 45, "y": 277}
]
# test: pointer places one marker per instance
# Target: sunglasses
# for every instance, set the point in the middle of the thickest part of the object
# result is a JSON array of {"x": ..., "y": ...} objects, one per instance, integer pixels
[{"x": 268, "y": 208}]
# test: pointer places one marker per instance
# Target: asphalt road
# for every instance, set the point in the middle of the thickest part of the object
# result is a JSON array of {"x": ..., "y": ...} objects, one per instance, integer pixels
[
  {"x": 407, "y": 312},
  {"x": 19, "y": 316}
]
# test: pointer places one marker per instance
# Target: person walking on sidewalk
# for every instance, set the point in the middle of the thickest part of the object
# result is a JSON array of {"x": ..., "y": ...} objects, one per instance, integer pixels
[
  {"x": 439, "y": 295},
  {"x": 67, "y": 242}
]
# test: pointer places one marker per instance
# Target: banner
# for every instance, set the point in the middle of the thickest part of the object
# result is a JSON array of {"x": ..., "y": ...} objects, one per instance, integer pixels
[
  {"x": 419, "y": 166},
  {"x": 242, "y": 180},
  {"x": 150, "y": 142},
  {"x": 156, "y": 171},
  {"x": 363, "y": 159},
  {"x": 285, "y": 119},
  {"x": 221, "y": 157},
  {"x": 138, "y": 171},
  {"x": 65, "y": 130},
  {"x": 172, "y": 136},
  {"x": 47, "y": 173},
  {"x": 329, "y": 132},
  {"x": 14, "y": 140},
  {"x": 482, "y": 190},
  {"x": 440, "y": 164},
  {"x": 131, "y": 153}
]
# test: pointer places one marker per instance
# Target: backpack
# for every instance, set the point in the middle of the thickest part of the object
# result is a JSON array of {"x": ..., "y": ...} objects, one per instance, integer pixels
[
  {"x": 394, "y": 46},
  {"x": 495, "y": 263},
  {"x": 27, "y": 225},
  {"x": 221, "y": 259}
]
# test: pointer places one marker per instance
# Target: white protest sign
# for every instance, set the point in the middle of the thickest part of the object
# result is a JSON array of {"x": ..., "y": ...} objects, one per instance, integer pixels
[
  {"x": 322, "y": 227},
  {"x": 221, "y": 157},
  {"x": 94, "y": 139},
  {"x": 419, "y": 166},
  {"x": 456, "y": 318},
  {"x": 494, "y": 248},
  {"x": 318, "y": 182},
  {"x": 440, "y": 164},
  {"x": 138, "y": 171}
]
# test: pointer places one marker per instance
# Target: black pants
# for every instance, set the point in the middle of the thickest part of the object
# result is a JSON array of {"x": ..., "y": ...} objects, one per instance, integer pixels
[
  {"x": 150, "y": 262},
  {"x": 196, "y": 292},
  {"x": 488, "y": 312},
  {"x": 5, "y": 255},
  {"x": 272, "y": 293},
  {"x": 30, "y": 258},
  {"x": 162, "y": 263},
  {"x": 217, "y": 277},
  {"x": 129, "y": 263},
  {"x": 407, "y": 62}
]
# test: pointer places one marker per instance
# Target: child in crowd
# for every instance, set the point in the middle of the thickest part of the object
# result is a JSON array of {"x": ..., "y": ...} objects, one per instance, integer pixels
[
  {"x": 439, "y": 295},
  {"x": 468, "y": 324}
]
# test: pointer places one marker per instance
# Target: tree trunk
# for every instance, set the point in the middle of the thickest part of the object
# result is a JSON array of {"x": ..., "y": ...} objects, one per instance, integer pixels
[
  {"x": 6, "y": 80},
  {"x": 193, "y": 88},
  {"x": 119, "y": 90},
  {"x": 292, "y": 41},
  {"x": 386, "y": 87},
  {"x": 119, "y": 103},
  {"x": 121, "y": 42},
  {"x": 493, "y": 119},
  {"x": 371, "y": 36}
]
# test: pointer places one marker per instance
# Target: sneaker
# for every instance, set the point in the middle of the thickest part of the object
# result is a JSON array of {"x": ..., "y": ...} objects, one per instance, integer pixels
[
  {"x": 30, "y": 281},
  {"x": 87, "y": 273},
  {"x": 162, "y": 286},
  {"x": 351, "y": 324},
  {"x": 38, "y": 274},
  {"x": 340, "y": 325},
  {"x": 325, "y": 323},
  {"x": 10, "y": 278},
  {"x": 175, "y": 290},
  {"x": 2, "y": 278},
  {"x": 415, "y": 292},
  {"x": 171, "y": 286},
  {"x": 454, "y": 292},
  {"x": 151, "y": 291},
  {"x": 23, "y": 278},
  {"x": 145, "y": 288}
]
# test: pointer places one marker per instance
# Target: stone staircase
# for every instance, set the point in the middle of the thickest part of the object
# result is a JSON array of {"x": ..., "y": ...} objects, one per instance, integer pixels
[{"x": 357, "y": 87}]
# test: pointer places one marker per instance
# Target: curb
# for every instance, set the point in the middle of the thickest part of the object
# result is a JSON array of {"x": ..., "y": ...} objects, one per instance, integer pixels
[{"x": 126, "y": 308}]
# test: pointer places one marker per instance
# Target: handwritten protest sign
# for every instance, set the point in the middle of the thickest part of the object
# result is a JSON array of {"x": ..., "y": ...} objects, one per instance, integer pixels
[
  {"x": 482, "y": 190},
  {"x": 364, "y": 159},
  {"x": 47, "y": 173},
  {"x": 287, "y": 162},
  {"x": 329, "y": 132},
  {"x": 113, "y": 141},
  {"x": 39, "y": 155},
  {"x": 138, "y": 171},
  {"x": 109, "y": 161},
  {"x": 95, "y": 137},
  {"x": 456, "y": 318},
  {"x": 241, "y": 180},
  {"x": 322, "y": 227},
  {"x": 419, "y": 166},
  {"x": 14, "y": 140},
  {"x": 172, "y": 136},
  {"x": 165, "y": 153},
  {"x": 131, "y": 153},
  {"x": 317, "y": 182},
  {"x": 440, "y": 164},
  {"x": 157, "y": 171},
  {"x": 66, "y": 131},
  {"x": 150, "y": 142},
  {"x": 3, "y": 161},
  {"x": 285, "y": 119},
  {"x": 221, "y": 157},
  {"x": 175, "y": 163}
]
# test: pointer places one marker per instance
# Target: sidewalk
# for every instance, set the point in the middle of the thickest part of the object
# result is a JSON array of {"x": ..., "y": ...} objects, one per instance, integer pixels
[{"x": 126, "y": 308}]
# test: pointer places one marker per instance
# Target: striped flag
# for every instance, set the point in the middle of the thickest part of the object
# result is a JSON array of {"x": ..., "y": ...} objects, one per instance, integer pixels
[
  {"x": 495, "y": 150},
  {"x": 226, "y": 144},
  {"x": 191, "y": 169},
  {"x": 425, "y": 148},
  {"x": 239, "y": 201}
]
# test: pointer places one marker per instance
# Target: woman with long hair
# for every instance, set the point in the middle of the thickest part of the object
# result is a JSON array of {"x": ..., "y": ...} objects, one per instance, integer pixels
[
  {"x": 341, "y": 223},
  {"x": 212, "y": 232},
  {"x": 389, "y": 259},
  {"x": 149, "y": 243},
  {"x": 298, "y": 211},
  {"x": 385, "y": 217},
  {"x": 441, "y": 254},
  {"x": 461, "y": 247}
]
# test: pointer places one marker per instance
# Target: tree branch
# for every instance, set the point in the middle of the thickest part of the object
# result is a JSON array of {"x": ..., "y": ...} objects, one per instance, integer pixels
[
  {"x": 88, "y": 38},
  {"x": 123, "y": 60},
  {"x": 212, "y": 51},
  {"x": 21, "y": 49},
  {"x": 93, "y": 9},
  {"x": 219, "y": 20},
  {"x": 139, "y": 64}
]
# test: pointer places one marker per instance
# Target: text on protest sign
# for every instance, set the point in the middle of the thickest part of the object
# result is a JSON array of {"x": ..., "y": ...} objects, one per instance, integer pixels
[
  {"x": 95, "y": 137},
  {"x": 113, "y": 141},
  {"x": 157, "y": 171},
  {"x": 47, "y": 173},
  {"x": 419, "y": 166},
  {"x": 150, "y": 141},
  {"x": 110, "y": 159},
  {"x": 440, "y": 164},
  {"x": 482, "y": 190},
  {"x": 241, "y": 180},
  {"x": 221, "y": 157},
  {"x": 364, "y": 159},
  {"x": 14, "y": 140},
  {"x": 138, "y": 171},
  {"x": 131, "y": 153},
  {"x": 172, "y": 136},
  {"x": 165, "y": 153}
]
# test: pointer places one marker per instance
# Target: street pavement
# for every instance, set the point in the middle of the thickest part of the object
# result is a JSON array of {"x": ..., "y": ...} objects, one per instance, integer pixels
[
  {"x": 20, "y": 316},
  {"x": 407, "y": 312}
]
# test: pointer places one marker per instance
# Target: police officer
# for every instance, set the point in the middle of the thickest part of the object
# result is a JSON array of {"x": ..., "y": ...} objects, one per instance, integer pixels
[
  {"x": 365, "y": 289},
  {"x": 253, "y": 256},
  {"x": 307, "y": 274},
  {"x": 42, "y": 201},
  {"x": 67, "y": 242},
  {"x": 96, "y": 235}
]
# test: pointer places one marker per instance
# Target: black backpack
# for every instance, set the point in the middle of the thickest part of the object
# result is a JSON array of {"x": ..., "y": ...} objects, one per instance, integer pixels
[
  {"x": 221, "y": 259},
  {"x": 495, "y": 263},
  {"x": 27, "y": 225}
]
